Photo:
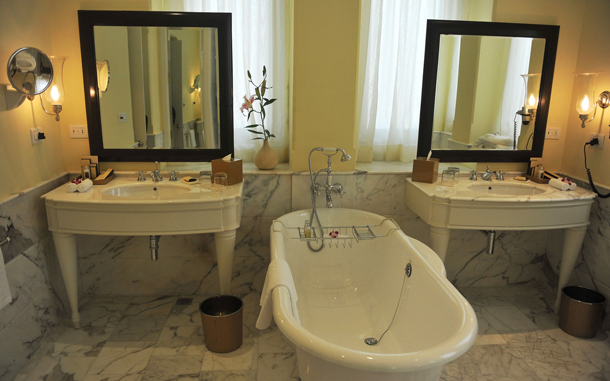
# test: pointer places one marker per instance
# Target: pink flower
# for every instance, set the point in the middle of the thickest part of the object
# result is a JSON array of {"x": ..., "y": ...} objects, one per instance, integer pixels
[
  {"x": 566, "y": 180},
  {"x": 247, "y": 105},
  {"x": 333, "y": 234}
]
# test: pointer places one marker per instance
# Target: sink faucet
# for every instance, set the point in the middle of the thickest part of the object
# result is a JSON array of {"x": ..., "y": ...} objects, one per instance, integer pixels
[
  {"x": 487, "y": 175},
  {"x": 156, "y": 174}
]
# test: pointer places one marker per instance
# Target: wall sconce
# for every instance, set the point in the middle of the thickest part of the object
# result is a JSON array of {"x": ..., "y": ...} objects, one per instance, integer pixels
[
  {"x": 531, "y": 96},
  {"x": 31, "y": 72},
  {"x": 585, "y": 95},
  {"x": 103, "y": 75},
  {"x": 196, "y": 83}
]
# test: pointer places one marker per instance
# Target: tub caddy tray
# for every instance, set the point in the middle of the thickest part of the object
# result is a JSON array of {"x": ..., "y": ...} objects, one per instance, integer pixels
[{"x": 333, "y": 236}]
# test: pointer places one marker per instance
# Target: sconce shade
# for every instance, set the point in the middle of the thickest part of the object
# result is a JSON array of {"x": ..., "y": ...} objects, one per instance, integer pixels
[
  {"x": 585, "y": 96},
  {"x": 55, "y": 93},
  {"x": 532, "y": 90}
]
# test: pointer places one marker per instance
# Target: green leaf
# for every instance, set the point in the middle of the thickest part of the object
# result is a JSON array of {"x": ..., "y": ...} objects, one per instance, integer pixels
[
  {"x": 258, "y": 139},
  {"x": 264, "y": 70},
  {"x": 256, "y": 132},
  {"x": 263, "y": 112},
  {"x": 271, "y": 136},
  {"x": 258, "y": 93},
  {"x": 252, "y": 125},
  {"x": 269, "y": 102}
]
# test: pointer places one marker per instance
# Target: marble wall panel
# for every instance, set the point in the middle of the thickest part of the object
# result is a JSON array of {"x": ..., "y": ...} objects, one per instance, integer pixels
[
  {"x": 39, "y": 297},
  {"x": 266, "y": 195}
]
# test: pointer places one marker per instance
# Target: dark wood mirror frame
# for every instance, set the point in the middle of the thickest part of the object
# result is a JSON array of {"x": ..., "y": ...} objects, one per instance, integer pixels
[
  {"x": 222, "y": 21},
  {"x": 437, "y": 28}
]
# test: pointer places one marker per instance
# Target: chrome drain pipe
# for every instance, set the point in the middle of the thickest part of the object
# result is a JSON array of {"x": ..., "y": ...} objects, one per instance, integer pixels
[
  {"x": 154, "y": 247},
  {"x": 491, "y": 238}
]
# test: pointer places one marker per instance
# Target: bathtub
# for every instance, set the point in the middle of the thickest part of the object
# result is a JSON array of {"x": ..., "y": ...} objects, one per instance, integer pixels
[{"x": 349, "y": 293}]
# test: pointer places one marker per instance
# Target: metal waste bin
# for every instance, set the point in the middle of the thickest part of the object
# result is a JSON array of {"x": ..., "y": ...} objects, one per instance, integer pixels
[
  {"x": 222, "y": 319},
  {"x": 581, "y": 311}
]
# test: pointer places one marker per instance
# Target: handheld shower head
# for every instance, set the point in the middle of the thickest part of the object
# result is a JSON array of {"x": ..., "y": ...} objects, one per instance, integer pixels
[{"x": 345, "y": 156}]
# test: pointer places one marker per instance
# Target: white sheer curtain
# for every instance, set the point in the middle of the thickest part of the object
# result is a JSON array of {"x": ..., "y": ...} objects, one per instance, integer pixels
[
  {"x": 391, "y": 101},
  {"x": 514, "y": 88},
  {"x": 259, "y": 38}
]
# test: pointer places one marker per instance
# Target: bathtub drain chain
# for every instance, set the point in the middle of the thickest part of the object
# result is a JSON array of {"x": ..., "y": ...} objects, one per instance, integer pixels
[{"x": 374, "y": 341}]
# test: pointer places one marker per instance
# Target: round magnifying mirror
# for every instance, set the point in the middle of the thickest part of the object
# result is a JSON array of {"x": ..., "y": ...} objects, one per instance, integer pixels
[
  {"x": 103, "y": 75},
  {"x": 30, "y": 71}
]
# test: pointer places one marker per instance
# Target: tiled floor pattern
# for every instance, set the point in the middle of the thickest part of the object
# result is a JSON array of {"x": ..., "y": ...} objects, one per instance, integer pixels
[{"x": 139, "y": 339}]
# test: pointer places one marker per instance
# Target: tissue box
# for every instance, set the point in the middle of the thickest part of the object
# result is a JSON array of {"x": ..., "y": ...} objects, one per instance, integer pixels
[
  {"x": 425, "y": 171},
  {"x": 233, "y": 169}
]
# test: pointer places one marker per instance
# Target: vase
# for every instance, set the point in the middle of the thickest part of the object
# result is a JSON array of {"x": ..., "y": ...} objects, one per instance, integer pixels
[{"x": 266, "y": 157}]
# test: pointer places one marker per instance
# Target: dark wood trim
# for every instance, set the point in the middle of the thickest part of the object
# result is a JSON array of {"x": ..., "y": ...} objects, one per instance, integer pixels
[
  {"x": 222, "y": 21},
  {"x": 436, "y": 28}
]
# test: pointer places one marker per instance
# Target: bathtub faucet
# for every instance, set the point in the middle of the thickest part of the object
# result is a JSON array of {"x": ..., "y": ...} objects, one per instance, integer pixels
[{"x": 328, "y": 188}]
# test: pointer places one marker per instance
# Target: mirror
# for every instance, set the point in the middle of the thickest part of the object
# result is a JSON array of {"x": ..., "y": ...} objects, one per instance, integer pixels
[
  {"x": 486, "y": 90},
  {"x": 152, "y": 110},
  {"x": 30, "y": 71}
]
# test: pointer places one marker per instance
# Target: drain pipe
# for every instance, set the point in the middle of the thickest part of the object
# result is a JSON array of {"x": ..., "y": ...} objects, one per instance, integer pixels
[
  {"x": 491, "y": 237},
  {"x": 154, "y": 247}
]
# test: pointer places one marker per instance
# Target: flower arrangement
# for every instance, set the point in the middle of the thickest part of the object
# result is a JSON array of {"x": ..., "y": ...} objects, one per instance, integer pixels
[{"x": 248, "y": 105}]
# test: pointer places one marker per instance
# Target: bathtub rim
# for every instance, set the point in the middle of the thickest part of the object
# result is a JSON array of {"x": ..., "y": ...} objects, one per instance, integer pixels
[{"x": 438, "y": 355}]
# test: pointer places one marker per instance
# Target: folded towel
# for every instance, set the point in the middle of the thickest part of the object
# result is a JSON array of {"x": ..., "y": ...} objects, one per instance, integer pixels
[
  {"x": 71, "y": 188},
  {"x": 5, "y": 292},
  {"x": 278, "y": 274},
  {"x": 562, "y": 185},
  {"x": 84, "y": 186}
]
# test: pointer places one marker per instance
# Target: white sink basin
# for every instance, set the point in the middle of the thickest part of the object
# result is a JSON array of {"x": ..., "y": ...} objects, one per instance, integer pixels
[
  {"x": 507, "y": 189},
  {"x": 149, "y": 192}
]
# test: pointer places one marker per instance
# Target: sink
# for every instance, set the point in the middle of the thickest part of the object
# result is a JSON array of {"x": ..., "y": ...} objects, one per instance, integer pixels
[
  {"x": 507, "y": 189},
  {"x": 503, "y": 205},
  {"x": 126, "y": 207},
  {"x": 150, "y": 192}
]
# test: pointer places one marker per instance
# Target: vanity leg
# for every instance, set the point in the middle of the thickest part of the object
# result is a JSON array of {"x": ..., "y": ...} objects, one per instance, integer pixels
[
  {"x": 572, "y": 242},
  {"x": 225, "y": 248},
  {"x": 65, "y": 245},
  {"x": 439, "y": 241}
]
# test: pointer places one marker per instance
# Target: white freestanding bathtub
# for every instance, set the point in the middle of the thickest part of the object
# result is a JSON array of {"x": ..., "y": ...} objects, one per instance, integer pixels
[{"x": 347, "y": 294}]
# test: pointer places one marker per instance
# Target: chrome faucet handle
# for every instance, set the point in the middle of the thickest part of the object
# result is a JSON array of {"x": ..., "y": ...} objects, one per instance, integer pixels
[
  {"x": 156, "y": 176},
  {"x": 499, "y": 175},
  {"x": 173, "y": 175},
  {"x": 141, "y": 176},
  {"x": 473, "y": 175}
]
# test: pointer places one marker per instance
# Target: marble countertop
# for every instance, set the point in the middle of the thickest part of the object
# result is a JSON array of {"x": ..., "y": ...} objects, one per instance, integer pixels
[
  {"x": 95, "y": 194},
  {"x": 461, "y": 192}
]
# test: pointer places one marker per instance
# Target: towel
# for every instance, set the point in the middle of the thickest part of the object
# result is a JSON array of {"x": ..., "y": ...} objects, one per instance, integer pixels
[
  {"x": 84, "y": 186},
  {"x": 561, "y": 185},
  {"x": 5, "y": 292},
  {"x": 71, "y": 188},
  {"x": 278, "y": 274}
]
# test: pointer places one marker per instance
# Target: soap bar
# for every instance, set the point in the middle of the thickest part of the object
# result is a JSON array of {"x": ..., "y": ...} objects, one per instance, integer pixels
[
  {"x": 190, "y": 180},
  {"x": 520, "y": 178}
]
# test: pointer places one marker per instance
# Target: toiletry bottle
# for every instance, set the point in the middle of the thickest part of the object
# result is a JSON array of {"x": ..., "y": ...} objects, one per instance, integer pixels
[
  {"x": 307, "y": 229},
  {"x": 86, "y": 172},
  {"x": 540, "y": 171}
]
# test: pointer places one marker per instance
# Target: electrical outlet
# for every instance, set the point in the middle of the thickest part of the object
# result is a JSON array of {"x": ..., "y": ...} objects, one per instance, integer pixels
[
  {"x": 35, "y": 135},
  {"x": 122, "y": 117},
  {"x": 552, "y": 133},
  {"x": 600, "y": 139},
  {"x": 79, "y": 132}
]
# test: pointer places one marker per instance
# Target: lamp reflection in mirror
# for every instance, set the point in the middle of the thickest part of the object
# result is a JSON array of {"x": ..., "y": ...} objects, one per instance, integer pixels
[
  {"x": 55, "y": 93},
  {"x": 530, "y": 99},
  {"x": 585, "y": 97}
]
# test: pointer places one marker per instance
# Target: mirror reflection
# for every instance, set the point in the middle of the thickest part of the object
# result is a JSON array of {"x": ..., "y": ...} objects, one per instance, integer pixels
[
  {"x": 487, "y": 92},
  {"x": 136, "y": 112}
]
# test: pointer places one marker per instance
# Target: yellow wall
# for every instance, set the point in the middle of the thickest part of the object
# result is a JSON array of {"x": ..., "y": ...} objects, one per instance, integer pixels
[
  {"x": 325, "y": 74},
  {"x": 22, "y": 165},
  {"x": 593, "y": 56}
]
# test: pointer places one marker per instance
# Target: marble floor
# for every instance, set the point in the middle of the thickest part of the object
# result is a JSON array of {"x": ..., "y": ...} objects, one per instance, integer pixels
[{"x": 160, "y": 338}]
